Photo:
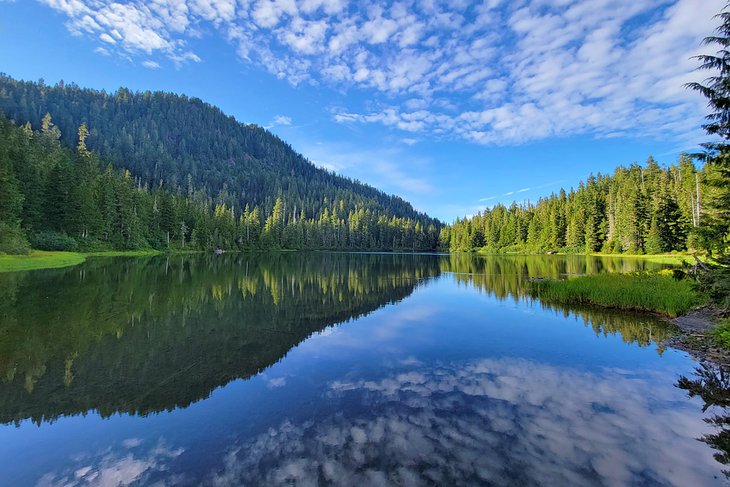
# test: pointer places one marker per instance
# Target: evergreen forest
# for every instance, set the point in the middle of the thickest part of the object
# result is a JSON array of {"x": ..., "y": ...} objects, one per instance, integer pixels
[
  {"x": 86, "y": 170},
  {"x": 637, "y": 209}
]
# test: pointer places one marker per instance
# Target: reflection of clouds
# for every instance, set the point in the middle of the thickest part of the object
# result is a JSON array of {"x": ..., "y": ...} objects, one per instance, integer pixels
[
  {"x": 116, "y": 468},
  {"x": 276, "y": 382},
  {"x": 489, "y": 421}
]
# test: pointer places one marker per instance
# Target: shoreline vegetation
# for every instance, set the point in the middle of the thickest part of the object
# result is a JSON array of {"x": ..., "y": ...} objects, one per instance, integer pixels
[
  {"x": 656, "y": 292},
  {"x": 41, "y": 259}
]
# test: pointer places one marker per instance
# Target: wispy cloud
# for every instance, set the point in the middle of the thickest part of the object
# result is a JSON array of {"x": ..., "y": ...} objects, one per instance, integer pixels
[
  {"x": 521, "y": 190},
  {"x": 151, "y": 64},
  {"x": 489, "y": 72},
  {"x": 387, "y": 167},
  {"x": 282, "y": 120}
]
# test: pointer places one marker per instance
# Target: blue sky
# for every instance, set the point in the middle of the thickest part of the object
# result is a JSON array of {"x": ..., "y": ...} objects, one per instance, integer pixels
[{"x": 452, "y": 105}]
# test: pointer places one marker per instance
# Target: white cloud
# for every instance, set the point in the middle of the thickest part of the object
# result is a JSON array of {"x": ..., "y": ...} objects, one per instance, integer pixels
[
  {"x": 488, "y": 72},
  {"x": 282, "y": 120},
  {"x": 151, "y": 64}
]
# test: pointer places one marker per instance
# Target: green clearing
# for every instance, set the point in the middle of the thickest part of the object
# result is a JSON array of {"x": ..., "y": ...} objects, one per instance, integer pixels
[
  {"x": 656, "y": 292},
  {"x": 39, "y": 259}
]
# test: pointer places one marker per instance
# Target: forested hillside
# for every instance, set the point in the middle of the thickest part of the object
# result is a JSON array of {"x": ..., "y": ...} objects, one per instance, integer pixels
[
  {"x": 161, "y": 170},
  {"x": 638, "y": 209}
]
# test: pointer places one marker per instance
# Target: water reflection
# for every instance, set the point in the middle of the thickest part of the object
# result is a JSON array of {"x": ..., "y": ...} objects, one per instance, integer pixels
[
  {"x": 128, "y": 464},
  {"x": 449, "y": 374},
  {"x": 712, "y": 384},
  {"x": 143, "y": 336},
  {"x": 149, "y": 335},
  {"x": 498, "y": 422}
]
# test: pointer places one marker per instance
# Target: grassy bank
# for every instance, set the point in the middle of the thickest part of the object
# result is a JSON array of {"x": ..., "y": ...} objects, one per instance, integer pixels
[
  {"x": 656, "y": 292},
  {"x": 721, "y": 333},
  {"x": 671, "y": 259},
  {"x": 39, "y": 259}
]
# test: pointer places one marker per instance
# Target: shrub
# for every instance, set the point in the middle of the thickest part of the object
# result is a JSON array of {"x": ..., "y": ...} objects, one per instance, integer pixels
[
  {"x": 13, "y": 240},
  {"x": 53, "y": 241}
]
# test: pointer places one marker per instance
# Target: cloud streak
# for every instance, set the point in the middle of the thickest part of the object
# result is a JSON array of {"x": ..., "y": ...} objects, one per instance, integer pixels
[{"x": 489, "y": 72}]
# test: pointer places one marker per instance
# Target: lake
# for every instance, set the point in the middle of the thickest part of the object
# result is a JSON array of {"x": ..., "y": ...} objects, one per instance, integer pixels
[{"x": 338, "y": 369}]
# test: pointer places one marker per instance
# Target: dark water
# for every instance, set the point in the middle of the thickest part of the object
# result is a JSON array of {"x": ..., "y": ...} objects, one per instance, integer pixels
[{"x": 337, "y": 369}]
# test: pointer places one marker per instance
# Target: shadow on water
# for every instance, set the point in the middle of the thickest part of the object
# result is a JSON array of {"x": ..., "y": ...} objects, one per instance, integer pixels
[{"x": 145, "y": 335}]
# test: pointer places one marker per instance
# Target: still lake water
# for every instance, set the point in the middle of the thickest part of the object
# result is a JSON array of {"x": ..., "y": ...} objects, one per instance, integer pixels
[{"x": 336, "y": 369}]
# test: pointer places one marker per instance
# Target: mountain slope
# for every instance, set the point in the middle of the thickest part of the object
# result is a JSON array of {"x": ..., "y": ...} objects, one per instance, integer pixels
[{"x": 191, "y": 148}]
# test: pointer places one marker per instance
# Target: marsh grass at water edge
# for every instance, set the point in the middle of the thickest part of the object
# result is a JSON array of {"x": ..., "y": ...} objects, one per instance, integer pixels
[{"x": 653, "y": 292}]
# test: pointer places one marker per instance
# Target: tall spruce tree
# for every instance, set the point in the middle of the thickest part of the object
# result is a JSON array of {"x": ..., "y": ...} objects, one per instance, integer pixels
[{"x": 714, "y": 229}]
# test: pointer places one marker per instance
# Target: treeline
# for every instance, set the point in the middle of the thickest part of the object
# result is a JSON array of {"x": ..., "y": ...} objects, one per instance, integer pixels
[
  {"x": 55, "y": 198},
  {"x": 638, "y": 209},
  {"x": 184, "y": 144}
]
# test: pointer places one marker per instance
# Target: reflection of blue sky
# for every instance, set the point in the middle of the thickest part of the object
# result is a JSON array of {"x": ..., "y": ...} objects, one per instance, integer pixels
[{"x": 448, "y": 380}]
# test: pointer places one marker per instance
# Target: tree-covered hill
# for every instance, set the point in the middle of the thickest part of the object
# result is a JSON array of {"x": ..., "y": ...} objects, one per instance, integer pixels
[{"x": 188, "y": 149}]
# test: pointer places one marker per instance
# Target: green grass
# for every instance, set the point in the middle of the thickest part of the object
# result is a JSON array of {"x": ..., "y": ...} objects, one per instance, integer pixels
[
  {"x": 656, "y": 292},
  {"x": 39, "y": 259},
  {"x": 671, "y": 259},
  {"x": 721, "y": 333},
  {"x": 123, "y": 253}
]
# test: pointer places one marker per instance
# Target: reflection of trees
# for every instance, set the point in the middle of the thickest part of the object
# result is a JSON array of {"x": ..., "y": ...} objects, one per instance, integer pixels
[
  {"x": 507, "y": 277},
  {"x": 712, "y": 384},
  {"x": 640, "y": 329},
  {"x": 144, "y": 335}
]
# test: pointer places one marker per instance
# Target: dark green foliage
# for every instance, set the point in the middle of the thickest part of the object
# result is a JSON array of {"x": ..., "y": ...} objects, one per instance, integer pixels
[
  {"x": 180, "y": 327},
  {"x": 13, "y": 240},
  {"x": 186, "y": 160},
  {"x": 636, "y": 210},
  {"x": 714, "y": 235},
  {"x": 50, "y": 240}
]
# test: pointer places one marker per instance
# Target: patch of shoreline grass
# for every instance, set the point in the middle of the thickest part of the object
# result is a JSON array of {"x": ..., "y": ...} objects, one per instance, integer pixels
[
  {"x": 671, "y": 259},
  {"x": 40, "y": 259},
  {"x": 655, "y": 292},
  {"x": 721, "y": 333}
]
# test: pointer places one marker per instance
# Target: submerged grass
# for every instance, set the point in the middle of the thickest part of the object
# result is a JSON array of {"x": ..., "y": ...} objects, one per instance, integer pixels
[
  {"x": 657, "y": 292},
  {"x": 39, "y": 259}
]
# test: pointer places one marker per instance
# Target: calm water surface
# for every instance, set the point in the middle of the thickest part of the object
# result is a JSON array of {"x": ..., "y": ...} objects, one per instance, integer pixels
[{"x": 336, "y": 369}]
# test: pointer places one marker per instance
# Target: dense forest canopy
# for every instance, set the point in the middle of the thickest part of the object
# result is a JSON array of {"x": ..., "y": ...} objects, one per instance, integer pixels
[
  {"x": 161, "y": 170},
  {"x": 638, "y": 209}
]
